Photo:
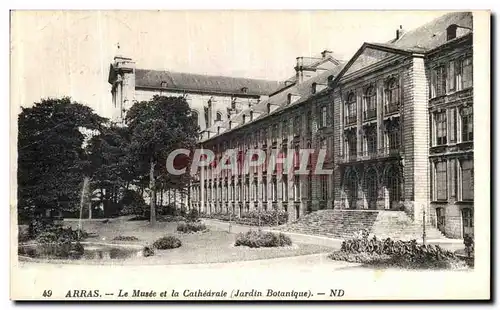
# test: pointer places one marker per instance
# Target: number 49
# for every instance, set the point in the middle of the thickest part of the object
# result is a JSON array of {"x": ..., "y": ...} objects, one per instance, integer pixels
[{"x": 47, "y": 293}]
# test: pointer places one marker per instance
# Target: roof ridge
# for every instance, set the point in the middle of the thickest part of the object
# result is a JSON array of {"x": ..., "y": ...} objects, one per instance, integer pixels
[{"x": 210, "y": 75}]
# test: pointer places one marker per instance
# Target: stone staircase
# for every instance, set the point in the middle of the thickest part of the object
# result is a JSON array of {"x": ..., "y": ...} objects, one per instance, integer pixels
[{"x": 345, "y": 224}]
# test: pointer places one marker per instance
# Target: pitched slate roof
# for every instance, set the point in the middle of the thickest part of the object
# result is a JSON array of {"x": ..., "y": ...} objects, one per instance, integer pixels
[
  {"x": 203, "y": 83},
  {"x": 303, "y": 91},
  {"x": 432, "y": 34},
  {"x": 419, "y": 40}
]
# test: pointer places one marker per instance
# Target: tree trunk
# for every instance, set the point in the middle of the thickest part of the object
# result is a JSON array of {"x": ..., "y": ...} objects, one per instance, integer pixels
[
  {"x": 161, "y": 196},
  {"x": 152, "y": 194}
]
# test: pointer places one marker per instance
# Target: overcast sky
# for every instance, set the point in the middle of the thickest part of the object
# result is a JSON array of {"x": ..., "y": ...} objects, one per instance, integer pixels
[{"x": 58, "y": 53}]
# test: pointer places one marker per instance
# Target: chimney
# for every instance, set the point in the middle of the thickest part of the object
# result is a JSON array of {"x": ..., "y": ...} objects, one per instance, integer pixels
[
  {"x": 298, "y": 70},
  {"x": 399, "y": 32},
  {"x": 326, "y": 53}
]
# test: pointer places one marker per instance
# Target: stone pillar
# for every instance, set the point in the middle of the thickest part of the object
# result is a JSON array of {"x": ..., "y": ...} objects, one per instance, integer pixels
[{"x": 416, "y": 139}]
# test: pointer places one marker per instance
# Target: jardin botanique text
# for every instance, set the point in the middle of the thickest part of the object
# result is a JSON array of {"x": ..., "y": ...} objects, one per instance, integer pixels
[{"x": 206, "y": 293}]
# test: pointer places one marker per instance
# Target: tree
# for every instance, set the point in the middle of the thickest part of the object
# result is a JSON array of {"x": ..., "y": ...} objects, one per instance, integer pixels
[
  {"x": 112, "y": 166},
  {"x": 51, "y": 158},
  {"x": 157, "y": 127}
]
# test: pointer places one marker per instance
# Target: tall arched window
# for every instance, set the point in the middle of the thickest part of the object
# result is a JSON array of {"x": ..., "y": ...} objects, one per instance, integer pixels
[
  {"x": 391, "y": 103},
  {"x": 218, "y": 116},
  {"x": 351, "y": 109},
  {"x": 371, "y": 188},
  {"x": 351, "y": 186},
  {"x": 370, "y": 103},
  {"x": 392, "y": 181},
  {"x": 371, "y": 140}
]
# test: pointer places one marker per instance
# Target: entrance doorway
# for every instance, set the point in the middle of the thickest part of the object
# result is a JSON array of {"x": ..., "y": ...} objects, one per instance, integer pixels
[{"x": 440, "y": 220}]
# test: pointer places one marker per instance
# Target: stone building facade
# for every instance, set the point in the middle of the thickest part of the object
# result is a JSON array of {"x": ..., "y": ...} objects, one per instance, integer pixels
[
  {"x": 213, "y": 98},
  {"x": 396, "y": 121}
]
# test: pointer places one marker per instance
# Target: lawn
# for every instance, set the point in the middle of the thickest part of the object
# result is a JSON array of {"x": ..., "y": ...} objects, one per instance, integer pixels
[{"x": 215, "y": 246}]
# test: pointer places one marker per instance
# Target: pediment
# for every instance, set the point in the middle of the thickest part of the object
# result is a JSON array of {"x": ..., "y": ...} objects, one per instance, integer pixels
[{"x": 367, "y": 57}]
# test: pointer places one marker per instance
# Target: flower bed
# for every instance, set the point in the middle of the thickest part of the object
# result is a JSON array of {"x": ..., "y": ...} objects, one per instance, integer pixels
[
  {"x": 190, "y": 227},
  {"x": 396, "y": 253},
  {"x": 167, "y": 242},
  {"x": 258, "y": 239},
  {"x": 253, "y": 218}
]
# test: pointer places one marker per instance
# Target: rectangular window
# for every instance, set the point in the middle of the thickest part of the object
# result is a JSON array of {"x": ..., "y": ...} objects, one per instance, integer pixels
[
  {"x": 466, "y": 68},
  {"x": 453, "y": 125},
  {"x": 438, "y": 82},
  {"x": 309, "y": 122},
  {"x": 274, "y": 190},
  {"x": 296, "y": 188},
  {"x": 441, "y": 134},
  {"x": 255, "y": 190},
  {"x": 441, "y": 184},
  {"x": 324, "y": 116},
  {"x": 324, "y": 187},
  {"x": 309, "y": 187},
  {"x": 452, "y": 77},
  {"x": 352, "y": 145},
  {"x": 467, "y": 124},
  {"x": 264, "y": 189},
  {"x": 467, "y": 179},
  {"x": 284, "y": 187}
]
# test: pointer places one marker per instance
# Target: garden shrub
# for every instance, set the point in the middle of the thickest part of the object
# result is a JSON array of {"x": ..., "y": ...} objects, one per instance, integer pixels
[
  {"x": 148, "y": 251},
  {"x": 191, "y": 227},
  {"x": 251, "y": 218},
  {"x": 257, "y": 239},
  {"x": 125, "y": 238},
  {"x": 396, "y": 253},
  {"x": 391, "y": 261},
  {"x": 167, "y": 242},
  {"x": 193, "y": 215},
  {"x": 40, "y": 225}
]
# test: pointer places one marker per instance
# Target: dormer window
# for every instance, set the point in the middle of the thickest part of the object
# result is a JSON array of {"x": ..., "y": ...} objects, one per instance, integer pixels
[
  {"x": 218, "y": 117},
  {"x": 451, "y": 32},
  {"x": 163, "y": 84},
  {"x": 244, "y": 90},
  {"x": 291, "y": 98}
]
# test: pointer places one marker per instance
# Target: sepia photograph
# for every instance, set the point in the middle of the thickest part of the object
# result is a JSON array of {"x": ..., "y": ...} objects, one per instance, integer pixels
[{"x": 249, "y": 155}]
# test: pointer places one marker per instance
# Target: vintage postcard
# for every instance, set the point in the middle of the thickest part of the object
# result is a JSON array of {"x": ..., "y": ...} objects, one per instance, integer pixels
[{"x": 250, "y": 155}]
